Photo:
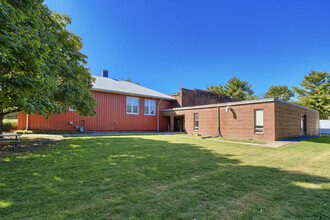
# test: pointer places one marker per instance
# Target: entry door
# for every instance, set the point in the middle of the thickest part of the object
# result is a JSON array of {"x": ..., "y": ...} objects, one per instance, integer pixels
[
  {"x": 176, "y": 124},
  {"x": 303, "y": 125}
]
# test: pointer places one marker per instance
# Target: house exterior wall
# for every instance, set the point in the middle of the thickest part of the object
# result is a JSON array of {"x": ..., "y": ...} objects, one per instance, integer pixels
[
  {"x": 239, "y": 122},
  {"x": 110, "y": 116},
  {"x": 280, "y": 120},
  {"x": 236, "y": 123},
  {"x": 187, "y": 97},
  {"x": 208, "y": 121},
  {"x": 288, "y": 120}
]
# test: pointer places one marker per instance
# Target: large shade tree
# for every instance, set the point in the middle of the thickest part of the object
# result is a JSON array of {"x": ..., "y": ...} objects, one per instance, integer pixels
[
  {"x": 315, "y": 92},
  {"x": 42, "y": 69},
  {"x": 279, "y": 92},
  {"x": 236, "y": 88}
]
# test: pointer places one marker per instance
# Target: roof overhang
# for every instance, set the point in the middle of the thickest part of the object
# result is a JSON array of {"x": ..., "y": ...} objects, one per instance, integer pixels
[{"x": 132, "y": 94}]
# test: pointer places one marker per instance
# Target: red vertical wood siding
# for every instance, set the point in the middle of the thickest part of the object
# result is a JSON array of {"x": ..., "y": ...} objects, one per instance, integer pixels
[{"x": 110, "y": 116}]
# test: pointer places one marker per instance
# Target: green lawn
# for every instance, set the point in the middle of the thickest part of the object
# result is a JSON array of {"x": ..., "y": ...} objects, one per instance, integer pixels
[{"x": 166, "y": 177}]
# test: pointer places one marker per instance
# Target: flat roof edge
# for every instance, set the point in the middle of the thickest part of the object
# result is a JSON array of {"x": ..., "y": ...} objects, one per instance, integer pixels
[
  {"x": 222, "y": 104},
  {"x": 133, "y": 94},
  {"x": 290, "y": 103},
  {"x": 236, "y": 103}
]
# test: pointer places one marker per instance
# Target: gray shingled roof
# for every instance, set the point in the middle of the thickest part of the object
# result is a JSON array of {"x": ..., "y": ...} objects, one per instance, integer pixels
[{"x": 123, "y": 87}]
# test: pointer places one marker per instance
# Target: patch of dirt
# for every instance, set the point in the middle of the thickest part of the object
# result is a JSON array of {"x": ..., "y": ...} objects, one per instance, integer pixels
[{"x": 29, "y": 143}]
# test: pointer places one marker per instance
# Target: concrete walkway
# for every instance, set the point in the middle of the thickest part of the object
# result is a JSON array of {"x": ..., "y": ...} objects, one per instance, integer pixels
[
  {"x": 274, "y": 144},
  {"x": 117, "y": 133}
]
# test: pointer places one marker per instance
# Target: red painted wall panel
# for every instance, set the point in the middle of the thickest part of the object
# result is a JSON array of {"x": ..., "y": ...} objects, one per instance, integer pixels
[{"x": 111, "y": 108}]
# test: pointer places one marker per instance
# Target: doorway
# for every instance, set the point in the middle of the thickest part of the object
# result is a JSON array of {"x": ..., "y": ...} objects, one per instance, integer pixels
[
  {"x": 303, "y": 125},
  {"x": 179, "y": 124}
]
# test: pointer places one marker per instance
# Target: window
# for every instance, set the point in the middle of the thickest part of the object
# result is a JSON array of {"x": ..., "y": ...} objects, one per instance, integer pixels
[
  {"x": 132, "y": 105},
  {"x": 196, "y": 122},
  {"x": 72, "y": 109},
  {"x": 259, "y": 121},
  {"x": 149, "y": 107}
]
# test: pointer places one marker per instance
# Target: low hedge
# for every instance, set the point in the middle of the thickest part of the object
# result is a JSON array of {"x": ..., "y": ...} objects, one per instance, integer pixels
[{"x": 9, "y": 125}]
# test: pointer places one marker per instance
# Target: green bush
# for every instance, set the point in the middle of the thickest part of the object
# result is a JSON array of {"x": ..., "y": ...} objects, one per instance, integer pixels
[
  {"x": 9, "y": 125},
  {"x": 12, "y": 116}
]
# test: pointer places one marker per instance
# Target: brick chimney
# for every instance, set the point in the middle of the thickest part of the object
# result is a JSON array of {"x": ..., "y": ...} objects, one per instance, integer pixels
[{"x": 105, "y": 73}]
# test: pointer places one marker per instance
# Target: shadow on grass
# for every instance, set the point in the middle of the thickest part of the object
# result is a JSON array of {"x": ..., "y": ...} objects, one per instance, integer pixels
[
  {"x": 324, "y": 140},
  {"x": 26, "y": 144},
  {"x": 142, "y": 177}
]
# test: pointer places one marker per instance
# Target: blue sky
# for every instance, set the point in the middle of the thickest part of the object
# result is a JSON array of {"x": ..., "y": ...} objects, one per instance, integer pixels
[{"x": 169, "y": 44}]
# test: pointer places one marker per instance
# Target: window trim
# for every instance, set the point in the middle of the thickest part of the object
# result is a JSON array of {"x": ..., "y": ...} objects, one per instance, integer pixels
[
  {"x": 138, "y": 106},
  {"x": 149, "y": 106},
  {"x": 255, "y": 121},
  {"x": 196, "y": 129}
]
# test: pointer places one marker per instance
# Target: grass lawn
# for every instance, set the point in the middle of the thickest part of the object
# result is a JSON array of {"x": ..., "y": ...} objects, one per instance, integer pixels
[{"x": 166, "y": 177}]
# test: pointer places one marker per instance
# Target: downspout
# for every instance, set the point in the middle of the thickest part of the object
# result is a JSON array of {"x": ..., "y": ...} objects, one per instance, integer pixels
[
  {"x": 158, "y": 114},
  {"x": 27, "y": 122},
  {"x": 219, "y": 133}
]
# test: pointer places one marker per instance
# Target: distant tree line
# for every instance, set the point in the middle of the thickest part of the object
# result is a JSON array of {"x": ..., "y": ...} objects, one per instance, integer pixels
[{"x": 314, "y": 91}]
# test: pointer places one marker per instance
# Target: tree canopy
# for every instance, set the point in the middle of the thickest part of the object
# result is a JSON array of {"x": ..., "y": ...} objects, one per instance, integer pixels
[
  {"x": 315, "y": 92},
  {"x": 236, "y": 88},
  {"x": 280, "y": 92},
  {"x": 42, "y": 69}
]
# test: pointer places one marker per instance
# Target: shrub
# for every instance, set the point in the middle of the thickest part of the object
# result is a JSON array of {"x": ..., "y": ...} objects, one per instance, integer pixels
[
  {"x": 9, "y": 125},
  {"x": 12, "y": 116}
]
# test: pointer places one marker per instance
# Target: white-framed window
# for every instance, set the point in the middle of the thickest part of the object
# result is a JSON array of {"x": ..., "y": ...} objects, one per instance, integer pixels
[
  {"x": 196, "y": 122},
  {"x": 149, "y": 107},
  {"x": 259, "y": 121},
  {"x": 132, "y": 105},
  {"x": 71, "y": 109}
]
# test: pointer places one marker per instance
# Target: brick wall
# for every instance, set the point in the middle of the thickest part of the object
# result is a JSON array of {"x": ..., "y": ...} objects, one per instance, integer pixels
[
  {"x": 288, "y": 120},
  {"x": 208, "y": 121},
  {"x": 239, "y": 121},
  {"x": 236, "y": 123},
  {"x": 281, "y": 120},
  {"x": 187, "y": 97}
]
